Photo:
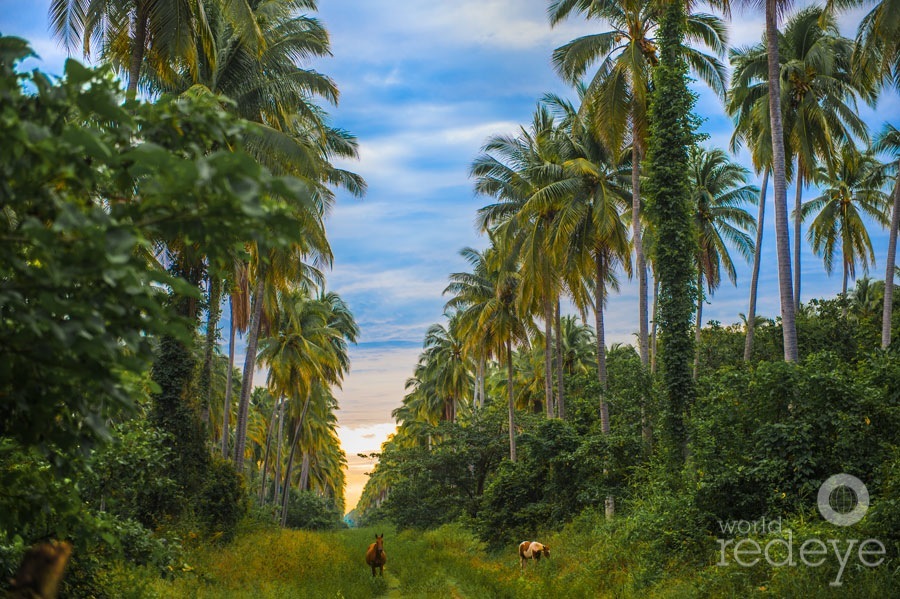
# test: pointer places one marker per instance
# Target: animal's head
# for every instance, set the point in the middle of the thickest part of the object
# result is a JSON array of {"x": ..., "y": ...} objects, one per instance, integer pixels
[
  {"x": 546, "y": 550},
  {"x": 379, "y": 541}
]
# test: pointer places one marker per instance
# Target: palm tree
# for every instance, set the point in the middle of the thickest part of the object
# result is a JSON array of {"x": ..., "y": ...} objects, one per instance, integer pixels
[
  {"x": 851, "y": 189},
  {"x": 618, "y": 93},
  {"x": 876, "y": 56},
  {"x": 448, "y": 366},
  {"x": 511, "y": 169},
  {"x": 146, "y": 35},
  {"x": 718, "y": 189},
  {"x": 888, "y": 142}
]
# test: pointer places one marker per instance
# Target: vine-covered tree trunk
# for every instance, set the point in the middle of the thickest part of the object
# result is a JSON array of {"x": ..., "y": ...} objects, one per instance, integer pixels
[
  {"x": 600, "y": 301},
  {"x": 270, "y": 431},
  {"x": 278, "y": 452},
  {"x": 304, "y": 472},
  {"x": 757, "y": 258},
  {"x": 669, "y": 206}
]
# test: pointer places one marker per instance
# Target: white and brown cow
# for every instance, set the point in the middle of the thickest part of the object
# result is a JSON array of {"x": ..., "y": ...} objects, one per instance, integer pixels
[{"x": 532, "y": 550}]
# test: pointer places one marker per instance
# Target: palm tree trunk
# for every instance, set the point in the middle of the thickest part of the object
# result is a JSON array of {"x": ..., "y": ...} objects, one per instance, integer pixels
[
  {"x": 240, "y": 436},
  {"x": 887, "y": 310},
  {"x": 560, "y": 381},
  {"x": 600, "y": 300},
  {"x": 228, "y": 381},
  {"x": 548, "y": 357},
  {"x": 639, "y": 249},
  {"x": 277, "y": 469},
  {"x": 798, "y": 222},
  {"x": 265, "y": 470},
  {"x": 782, "y": 243},
  {"x": 286, "y": 493},
  {"x": 699, "y": 325},
  {"x": 137, "y": 52},
  {"x": 304, "y": 472},
  {"x": 213, "y": 312},
  {"x": 844, "y": 289},
  {"x": 757, "y": 257},
  {"x": 512, "y": 401},
  {"x": 479, "y": 383}
]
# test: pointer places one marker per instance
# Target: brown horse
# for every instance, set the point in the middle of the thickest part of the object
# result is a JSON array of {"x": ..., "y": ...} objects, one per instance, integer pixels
[
  {"x": 532, "y": 550},
  {"x": 375, "y": 556}
]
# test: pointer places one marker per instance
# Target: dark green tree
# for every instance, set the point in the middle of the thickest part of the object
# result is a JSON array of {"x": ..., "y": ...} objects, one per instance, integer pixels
[{"x": 671, "y": 214}]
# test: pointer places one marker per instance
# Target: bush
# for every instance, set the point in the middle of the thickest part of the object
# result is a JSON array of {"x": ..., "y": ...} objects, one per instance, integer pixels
[
  {"x": 223, "y": 500},
  {"x": 312, "y": 512}
]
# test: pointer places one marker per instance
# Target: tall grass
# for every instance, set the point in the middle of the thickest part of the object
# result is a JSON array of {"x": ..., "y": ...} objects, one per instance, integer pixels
[{"x": 591, "y": 558}]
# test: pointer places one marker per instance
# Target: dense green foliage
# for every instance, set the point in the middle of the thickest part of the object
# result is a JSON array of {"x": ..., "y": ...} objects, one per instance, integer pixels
[{"x": 670, "y": 212}]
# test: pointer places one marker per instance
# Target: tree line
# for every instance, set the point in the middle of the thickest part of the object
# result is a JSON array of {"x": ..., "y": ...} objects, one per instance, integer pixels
[
  {"x": 127, "y": 229},
  {"x": 620, "y": 182}
]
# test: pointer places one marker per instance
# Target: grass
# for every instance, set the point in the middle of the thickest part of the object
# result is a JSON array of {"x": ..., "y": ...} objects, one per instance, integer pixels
[{"x": 591, "y": 559}]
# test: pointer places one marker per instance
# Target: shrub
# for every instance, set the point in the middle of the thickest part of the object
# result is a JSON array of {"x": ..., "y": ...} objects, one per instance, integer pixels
[
  {"x": 223, "y": 500},
  {"x": 312, "y": 512}
]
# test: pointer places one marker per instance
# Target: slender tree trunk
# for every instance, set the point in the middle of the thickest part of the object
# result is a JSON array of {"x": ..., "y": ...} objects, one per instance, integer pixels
[
  {"x": 639, "y": 250},
  {"x": 653, "y": 345},
  {"x": 887, "y": 310},
  {"x": 213, "y": 312},
  {"x": 798, "y": 223},
  {"x": 304, "y": 472},
  {"x": 548, "y": 357},
  {"x": 600, "y": 300},
  {"x": 265, "y": 471},
  {"x": 844, "y": 289},
  {"x": 479, "y": 382},
  {"x": 560, "y": 381},
  {"x": 512, "y": 401},
  {"x": 699, "y": 325},
  {"x": 240, "y": 436},
  {"x": 277, "y": 469},
  {"x": 137, "y": 52},
  {"x": 228, "y": 382},
  {"x": 757, "y": 257},
  {"x": 782, "y": 242},
  {"x": 286, "y": 493}
]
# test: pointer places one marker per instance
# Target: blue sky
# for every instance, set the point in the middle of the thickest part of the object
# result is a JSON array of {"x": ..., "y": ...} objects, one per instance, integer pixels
[{"x": 423, "y": 84}]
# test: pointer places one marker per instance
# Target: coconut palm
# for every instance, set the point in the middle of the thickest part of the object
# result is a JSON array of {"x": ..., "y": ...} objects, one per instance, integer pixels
[
  {"x": 618, "y": 93},
  {"x": 888, "y": 142},
  {"x": 719, "y": 189},
  {"x": 851, "y": 188},
  {"x": 817, "y": 112},
  {"x": 146, "y": 36},
  {"x": 876, "y": 57},
  {"x": 511, "y": 169}
]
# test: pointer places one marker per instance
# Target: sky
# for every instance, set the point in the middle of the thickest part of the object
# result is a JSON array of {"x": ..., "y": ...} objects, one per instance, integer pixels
[{"x": 423, "y": 84}]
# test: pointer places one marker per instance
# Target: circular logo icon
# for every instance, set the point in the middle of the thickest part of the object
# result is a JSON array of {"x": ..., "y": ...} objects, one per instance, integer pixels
[{"x": 846, "y": 493}]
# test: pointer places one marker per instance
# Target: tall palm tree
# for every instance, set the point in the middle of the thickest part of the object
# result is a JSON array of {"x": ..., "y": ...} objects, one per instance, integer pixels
[
  {"x": 511, "y": 170},
  {"x": 719, "y": 189},
  {"x": 888, "y": 142},
  {"x": 876, "y": 56},
  {"x": 618, "y": 93},
  {"x": 851, "y": 189}
]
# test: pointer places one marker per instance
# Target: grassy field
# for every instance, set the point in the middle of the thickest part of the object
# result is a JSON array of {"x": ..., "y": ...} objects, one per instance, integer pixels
[{"x": 451, "y": 563}]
